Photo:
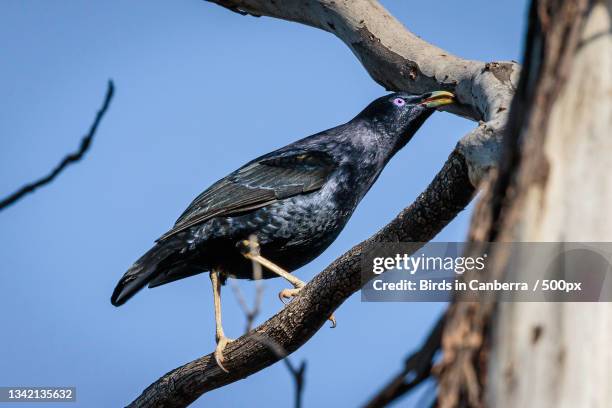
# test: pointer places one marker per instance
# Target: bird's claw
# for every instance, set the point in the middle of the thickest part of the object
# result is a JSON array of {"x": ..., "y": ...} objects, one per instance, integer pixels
[
  {"x": 288, "y": 294},
  {"x": 332, "y": 319},
  {"x": 221, "y": 344}
]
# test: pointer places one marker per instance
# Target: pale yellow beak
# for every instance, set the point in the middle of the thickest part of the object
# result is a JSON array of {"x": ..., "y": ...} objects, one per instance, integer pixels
[{"x": 438, "y": 98}]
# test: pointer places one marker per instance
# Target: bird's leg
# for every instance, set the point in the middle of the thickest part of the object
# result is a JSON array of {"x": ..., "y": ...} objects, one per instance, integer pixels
[
  {"x": 220, "y": 338},
  {"x": 250, "y": 250}
]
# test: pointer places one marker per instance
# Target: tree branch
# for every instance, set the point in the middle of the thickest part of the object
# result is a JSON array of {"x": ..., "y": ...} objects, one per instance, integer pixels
[
  {"x": 446, "y": 196},
  {"x": 67, "y": 160},
  {"x": 417, "y": 369},
  {"x": 398, "y": 60},
  {"x": 297, "y": 374},
  {"x": 251, "y": 313}
]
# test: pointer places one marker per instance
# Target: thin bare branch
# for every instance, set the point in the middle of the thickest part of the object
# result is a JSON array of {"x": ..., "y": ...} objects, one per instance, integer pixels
[
  {"x": 297, "y": 374},
  {"x": 417, "y": 368},
  {"x": 67, "y": 160},
  {"x": 251, "y": 313}
]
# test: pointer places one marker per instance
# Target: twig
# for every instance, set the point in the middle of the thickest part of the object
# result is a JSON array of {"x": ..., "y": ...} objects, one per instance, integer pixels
[
  {"x": 417, "y": 368},
  {"x": 251, "y": 313},
  {"x": 427, "y": 395},
  {"x": 67, "y": 160},
  {"x": 296, "y": 373}
]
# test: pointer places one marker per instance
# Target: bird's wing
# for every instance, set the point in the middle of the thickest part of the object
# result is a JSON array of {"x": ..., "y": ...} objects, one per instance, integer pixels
[{"x": 268, "y": 179}]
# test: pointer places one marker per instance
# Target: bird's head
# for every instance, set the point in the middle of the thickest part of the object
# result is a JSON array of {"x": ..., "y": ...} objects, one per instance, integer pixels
[{"x": 399, "y": 115}]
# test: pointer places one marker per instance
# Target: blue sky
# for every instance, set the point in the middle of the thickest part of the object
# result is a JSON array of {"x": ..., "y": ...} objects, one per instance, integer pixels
[{"x": 200, "y": 91}]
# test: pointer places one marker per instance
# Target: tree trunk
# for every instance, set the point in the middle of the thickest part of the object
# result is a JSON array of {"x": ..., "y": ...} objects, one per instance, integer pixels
[{"x": 553, "y": 185}]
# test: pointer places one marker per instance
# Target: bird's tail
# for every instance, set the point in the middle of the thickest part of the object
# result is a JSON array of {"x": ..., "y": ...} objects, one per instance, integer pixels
[{"x": 144, "y": 270}]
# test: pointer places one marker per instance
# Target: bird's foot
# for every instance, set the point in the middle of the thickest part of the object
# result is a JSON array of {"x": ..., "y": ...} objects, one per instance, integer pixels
[
  {"x": 290, "y": 293},
  {"x": 222, "y": 342},
  {"x": 332, "y": 319}
]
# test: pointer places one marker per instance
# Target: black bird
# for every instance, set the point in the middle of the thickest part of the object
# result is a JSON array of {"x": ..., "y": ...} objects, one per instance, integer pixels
[{"x": 294, "y": 200}]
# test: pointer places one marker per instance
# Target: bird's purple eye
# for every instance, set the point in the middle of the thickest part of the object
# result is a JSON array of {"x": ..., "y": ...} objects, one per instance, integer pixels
[{"x": 399, "y": 102}]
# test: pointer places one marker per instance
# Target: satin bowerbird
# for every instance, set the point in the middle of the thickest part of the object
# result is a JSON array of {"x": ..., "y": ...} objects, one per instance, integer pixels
[{"x": 294, "y": 200}]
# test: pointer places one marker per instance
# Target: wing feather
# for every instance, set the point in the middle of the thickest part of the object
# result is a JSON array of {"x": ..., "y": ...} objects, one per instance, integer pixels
[{"x": 264, "y": 181}]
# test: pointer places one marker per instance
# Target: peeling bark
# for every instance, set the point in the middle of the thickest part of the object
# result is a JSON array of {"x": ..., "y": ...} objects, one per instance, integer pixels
[{"x": 552, "y": 185}]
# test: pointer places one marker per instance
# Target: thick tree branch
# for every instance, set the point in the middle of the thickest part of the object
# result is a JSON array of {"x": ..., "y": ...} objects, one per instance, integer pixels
[
  {"x": 398, "y": 60},
  {"x": 66, "y": 161},
  {"x": 446, "y": 196}
]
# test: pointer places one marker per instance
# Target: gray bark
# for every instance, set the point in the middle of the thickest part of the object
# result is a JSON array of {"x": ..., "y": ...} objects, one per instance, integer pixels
[
  {"x": 553, "y": 185},
  {"x": 558, "y": 354},
  {"x": 399, "y": 60}
]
